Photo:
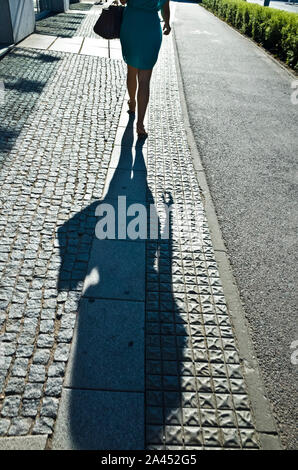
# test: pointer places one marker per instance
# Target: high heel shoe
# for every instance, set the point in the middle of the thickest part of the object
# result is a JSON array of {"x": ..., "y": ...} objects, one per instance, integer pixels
[
  {"x": 142, "y": 134},
  {"x": 131, "y": 108}
]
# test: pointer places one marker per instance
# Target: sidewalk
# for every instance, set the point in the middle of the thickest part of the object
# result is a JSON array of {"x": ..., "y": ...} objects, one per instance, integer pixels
[
  {"x": 244, "y": 122},
  {"x": 79, "y": 372}
]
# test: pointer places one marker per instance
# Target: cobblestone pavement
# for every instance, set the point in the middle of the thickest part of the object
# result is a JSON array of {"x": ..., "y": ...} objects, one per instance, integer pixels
[
  {"x": 71, "y": 24},
  {"x": 63, "y": 25},
  {"x": 59, "y": 120},
  {"x": 58, "y": 126}
]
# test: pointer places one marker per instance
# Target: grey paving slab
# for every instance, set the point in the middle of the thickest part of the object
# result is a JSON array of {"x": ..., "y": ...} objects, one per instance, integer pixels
[
  {"x": 269, "y": 442},
  {"x": 108, "y": 346},
  {"x": 23, "y": 443},
  {"x": 125, "y": 158},
  {"x": 115, "y": 44},
  {"x": 62, "y": 24},
  {"x": 95, "y": 47},
  {"x": 80, "y": 12},
  {"x": 132, "y": 227},
  {"x": 95, "y": 51},
  {"x": 116, "y": 270},
  {"x": 195, "y": 391},
  {"x": 80, "y": 6},
  {"x": 38, "y": 41},
  {"x": 93, "y": 420},
  {"x": 124, "y": 119}
]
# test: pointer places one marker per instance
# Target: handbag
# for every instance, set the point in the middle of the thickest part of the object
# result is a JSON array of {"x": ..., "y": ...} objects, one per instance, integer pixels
[{"x": 108, "y": 24}]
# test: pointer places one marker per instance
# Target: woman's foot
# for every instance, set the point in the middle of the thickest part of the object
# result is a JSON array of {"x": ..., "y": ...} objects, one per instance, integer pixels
[
  {"x": 131, "y": 106},
  {"x": 141, "y": 131}
]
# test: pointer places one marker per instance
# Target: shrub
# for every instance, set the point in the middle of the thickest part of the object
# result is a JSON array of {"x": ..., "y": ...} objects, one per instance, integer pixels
[{"x": 276, "y": 30}]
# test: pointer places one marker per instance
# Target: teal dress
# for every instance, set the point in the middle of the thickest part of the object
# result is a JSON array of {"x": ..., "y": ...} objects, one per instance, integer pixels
[{"x": 141, "y": 33}]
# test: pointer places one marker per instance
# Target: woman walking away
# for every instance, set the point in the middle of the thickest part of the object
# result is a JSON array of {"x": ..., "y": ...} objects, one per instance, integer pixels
[{"x": 141, "y": 37}]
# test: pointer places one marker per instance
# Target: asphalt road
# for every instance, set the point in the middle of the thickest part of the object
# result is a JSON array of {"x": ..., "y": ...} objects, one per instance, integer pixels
[{"x": 245, "y": 127}]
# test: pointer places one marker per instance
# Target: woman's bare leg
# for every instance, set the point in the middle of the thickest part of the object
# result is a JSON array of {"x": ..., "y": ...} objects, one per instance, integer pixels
[
  {"x": 144, "y": 77},
  {"x": 132, "y": 86}
]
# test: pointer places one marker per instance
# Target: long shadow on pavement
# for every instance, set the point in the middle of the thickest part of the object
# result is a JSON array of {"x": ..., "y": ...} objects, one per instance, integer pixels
[{"x": 103, "y": 401}]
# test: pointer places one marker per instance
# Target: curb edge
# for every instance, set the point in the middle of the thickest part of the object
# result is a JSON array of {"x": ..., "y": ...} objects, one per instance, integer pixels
[{"x": 262, "y": 413}]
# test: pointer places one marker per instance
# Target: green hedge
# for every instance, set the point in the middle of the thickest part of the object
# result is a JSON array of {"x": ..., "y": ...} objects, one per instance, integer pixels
[{"x": 275, "y": 30}]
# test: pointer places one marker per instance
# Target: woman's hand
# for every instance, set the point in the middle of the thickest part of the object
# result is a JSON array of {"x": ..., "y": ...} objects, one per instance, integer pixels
[
  {"x": 166, "y": 28},
  {"x": 123, "y": 2},
  {"x": 165, "y": 13}
]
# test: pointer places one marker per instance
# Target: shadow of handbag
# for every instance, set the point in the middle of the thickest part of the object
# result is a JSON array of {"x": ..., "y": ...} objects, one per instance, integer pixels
[{"x": 108, "y": 24}]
